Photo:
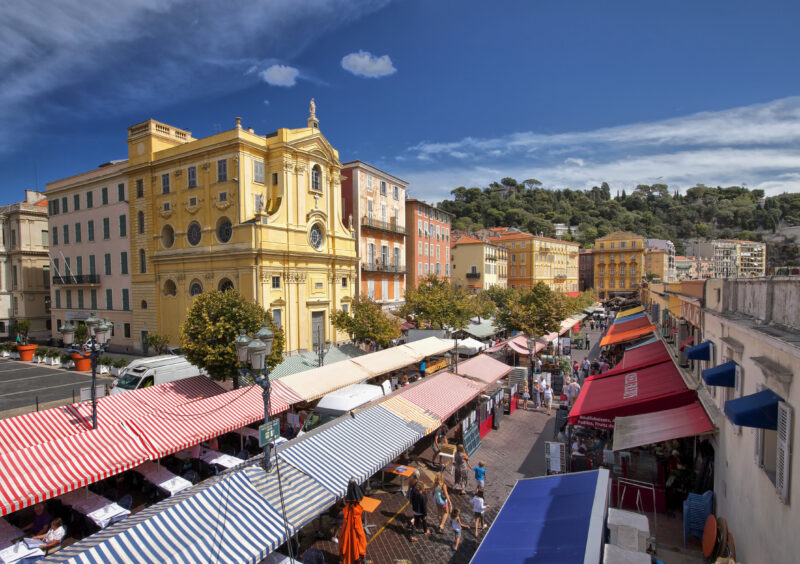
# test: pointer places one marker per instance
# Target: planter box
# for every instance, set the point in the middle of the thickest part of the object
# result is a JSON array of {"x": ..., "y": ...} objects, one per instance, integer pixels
[
  {"x": 5, "y": 354},
  {"x": 80, "y": 363},
  {"x": 14, "y": 356},
  {"x": 102, "y": 369},
  {"x": 25, "y": 352},
  {"x": 52, "y": 361},
  {"x": 115, "y": 371},
  {"x": 38, "y": 359}
]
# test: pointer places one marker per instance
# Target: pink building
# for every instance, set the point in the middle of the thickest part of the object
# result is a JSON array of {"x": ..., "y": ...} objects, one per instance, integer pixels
[
  {"x": 89, "y": 250},
  {"x": 427, "y": 241}
]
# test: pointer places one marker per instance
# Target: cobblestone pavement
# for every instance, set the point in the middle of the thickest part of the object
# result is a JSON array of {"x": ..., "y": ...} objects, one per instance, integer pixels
[{"x": 514, "y": 451}]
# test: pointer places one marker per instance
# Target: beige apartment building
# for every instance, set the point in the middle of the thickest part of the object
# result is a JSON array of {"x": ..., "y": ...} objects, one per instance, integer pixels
[
  {"x": 478, "y": 265},
  {"x": 24, "y": 272},
  {"x": 90, "y": 251},
  {"x": 656, "y": 263},
  {"x": 618, "y": 263},
  {"x": 374, "y": 204}
]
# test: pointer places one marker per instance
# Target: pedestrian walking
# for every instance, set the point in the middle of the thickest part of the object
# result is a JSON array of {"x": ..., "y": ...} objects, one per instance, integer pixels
[
  {"x": 461, "y": 464},
  {"x": 586, "y": 366},
  {"x": 588, "y": 345},
  {"x": 526, "y": 395},
  {"x": 455, "y": 522},
  {"x": 480, "y": 475},
  {"x": 419, "y": 505},
  {"x": 441, "y": 499},
  {"x": 548, "y": 397},
  {"x": 479, "y": 507},
  {"x": 439, "y": 439}
]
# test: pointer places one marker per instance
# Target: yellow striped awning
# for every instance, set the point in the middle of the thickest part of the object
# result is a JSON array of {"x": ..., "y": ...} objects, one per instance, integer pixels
[
  {"x": 632, "y": 311},
  {"x": 406, "y": 410}
]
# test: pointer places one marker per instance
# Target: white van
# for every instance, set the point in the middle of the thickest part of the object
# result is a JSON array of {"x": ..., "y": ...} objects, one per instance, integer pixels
[
  {"x": 146, "y": 372},
  {"x": 336, "y": 404}
]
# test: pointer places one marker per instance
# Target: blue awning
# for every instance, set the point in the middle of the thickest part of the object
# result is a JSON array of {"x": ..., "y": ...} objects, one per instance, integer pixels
[
  {"x": 722, "y": 375},
  {"x": 354, "y": 448},
  {"x": 758, "y": 410},
  {"x": 226, "y": 522},
  {"x": 552, "y": 519},
  {"x": 643, "y": 343},
  {"x": 700, "y": 352},
  {"x": 628, "y": 318}
]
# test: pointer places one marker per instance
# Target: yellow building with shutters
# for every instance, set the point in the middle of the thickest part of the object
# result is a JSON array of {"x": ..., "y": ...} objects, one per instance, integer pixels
[
  {"x": 258, "y": 213},
  {"x": 618, "y": 263},
  {"x": 533, "y": 259}
]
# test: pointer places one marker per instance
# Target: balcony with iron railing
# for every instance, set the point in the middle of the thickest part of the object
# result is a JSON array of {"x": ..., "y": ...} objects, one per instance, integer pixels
[
  {"x": 473, "y": 274},
  {"x": 77, "y": 280},
  {"x": 377, "y": 266},
  {"x": 388, "y": 226}
]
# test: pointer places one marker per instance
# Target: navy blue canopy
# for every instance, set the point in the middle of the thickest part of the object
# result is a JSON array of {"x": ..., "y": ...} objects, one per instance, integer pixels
[
  {"x": 722, "y": 375},
  {"x": 554, "y": 519},
  {"x": 699, "y": 352},
  {"x": 756, "y": 410}
]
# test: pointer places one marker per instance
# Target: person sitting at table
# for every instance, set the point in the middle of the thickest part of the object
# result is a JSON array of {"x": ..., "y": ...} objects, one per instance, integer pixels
[
  {"x": 54, "y": 535},
  {"x": 213, "y": 443},
  {"x": 41, "y": 520}
]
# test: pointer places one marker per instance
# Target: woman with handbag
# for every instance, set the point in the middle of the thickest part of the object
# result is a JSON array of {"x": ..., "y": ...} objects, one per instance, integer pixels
[{"x": 442, "y": 499}]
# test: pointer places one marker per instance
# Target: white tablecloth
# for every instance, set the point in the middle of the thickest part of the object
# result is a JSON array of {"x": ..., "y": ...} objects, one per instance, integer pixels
[
  {"x": 248, "y": 432},
  {"x": 224, "y": 460},
  {"x": 97, "y": 508},
  {"x": 9, "y": 533},
  {"x": 162, "y": 478},
  {"x": 18, "y": 552}
]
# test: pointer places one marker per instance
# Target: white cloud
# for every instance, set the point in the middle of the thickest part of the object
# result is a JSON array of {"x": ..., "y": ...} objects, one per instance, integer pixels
[
  {"x": 755, "y": 145},
  {"x": 266, "y": 102},
  {"x": 280, "y": 75},
  {"x": 366, "y": 64}
]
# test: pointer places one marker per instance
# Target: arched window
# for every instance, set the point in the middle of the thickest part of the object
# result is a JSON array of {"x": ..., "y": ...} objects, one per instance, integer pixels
[
  {"x": 142, "y": 262},
  {"x": 225, "y": 284},
  {"x": 144, "y": 304},
  {"x": 195, "y": 288},
  {"x": 316, "y": 178},
  {"x": 169, "y": 288},
  {"x": 141, "y": 222}
]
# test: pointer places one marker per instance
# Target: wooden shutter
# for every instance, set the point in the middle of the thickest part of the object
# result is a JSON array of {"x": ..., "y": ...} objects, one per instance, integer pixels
[{"x": 784, "y": 451}]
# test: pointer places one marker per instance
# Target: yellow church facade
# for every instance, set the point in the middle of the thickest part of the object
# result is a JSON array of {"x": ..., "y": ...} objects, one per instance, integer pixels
[{"x": 261, "y": 214}]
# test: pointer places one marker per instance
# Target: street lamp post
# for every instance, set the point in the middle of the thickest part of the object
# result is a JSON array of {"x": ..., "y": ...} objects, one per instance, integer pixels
[
  {"x": 256, "y": 351},
  {"x": 99, "y": 331}
]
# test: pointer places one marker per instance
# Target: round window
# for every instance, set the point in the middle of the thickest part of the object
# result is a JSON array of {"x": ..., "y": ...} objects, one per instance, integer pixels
[
  {"x": 225, "y": 285},
  {"x": 316, "y": 236},
  {"x": 195, "y": 289},
  {"x": 167, "y": 236},
  {"x": 194, "y": 233},
  {"x": 224, "y": 230}
]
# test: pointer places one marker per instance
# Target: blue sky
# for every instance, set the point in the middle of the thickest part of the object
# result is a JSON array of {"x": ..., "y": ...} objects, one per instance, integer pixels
[{"x": 441, "y": 93}]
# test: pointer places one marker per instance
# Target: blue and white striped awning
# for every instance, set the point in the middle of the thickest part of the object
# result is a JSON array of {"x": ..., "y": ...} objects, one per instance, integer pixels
[
  {"x": 303, "y": 497},
  {"x": 355, "y": 448},
  {"x": 228, "y": 521}
]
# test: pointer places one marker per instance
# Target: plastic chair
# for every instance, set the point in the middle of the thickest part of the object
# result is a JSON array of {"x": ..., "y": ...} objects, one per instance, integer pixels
[
  {"x": 696, "y": 510},
  {"x": 126, "y": 501}
]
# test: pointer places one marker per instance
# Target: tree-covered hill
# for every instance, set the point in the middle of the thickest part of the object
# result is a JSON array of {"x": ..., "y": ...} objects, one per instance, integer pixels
[{"x": 652, "y": 211}]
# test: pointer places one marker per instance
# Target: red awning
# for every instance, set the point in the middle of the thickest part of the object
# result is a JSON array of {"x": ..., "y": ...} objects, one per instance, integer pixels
[
  {"x": 442, "y": 394},
  {"x": 573, "y": 294},
  {"x": 627, "y": 335},
  {"x": 637, "y": 430},
  {"x": 686, "y": 342},
  {"x": 483, "y": 368},
  {"x": 638, "y": 358},
  {"x": 651, "y": 389},
  {"x": 406, "y": 326}
]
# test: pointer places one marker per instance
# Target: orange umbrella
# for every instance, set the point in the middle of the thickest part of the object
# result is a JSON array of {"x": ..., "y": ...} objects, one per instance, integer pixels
[{"x": 352, "y": 540}]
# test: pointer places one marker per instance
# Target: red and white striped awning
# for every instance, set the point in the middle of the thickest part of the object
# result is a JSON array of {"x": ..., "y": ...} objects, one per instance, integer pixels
[
  {"x": 49, "y": 469},
  {"x": 39, "y": 427},
  {"x": 186, "y": 425},
  {"x": 483, "y": 368},
  {"x": 442, "y": 394}
]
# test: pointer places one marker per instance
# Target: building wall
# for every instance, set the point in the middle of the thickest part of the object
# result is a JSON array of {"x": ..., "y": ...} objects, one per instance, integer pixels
[
  {"x": 533, "y": 259},
  {"x": 257, "y": 233},
  {"x": 743, "y": 488},
  {"x": 618, "y": 263},
  {"x": 479, "y": 266},
  {"x": 380, "y": 224},
  {"x": 585, "y": 269},
  {"x": 656, "y": 262},
  {"x": 77, "y": 291},
  {"x": 427, "y": 242},
  {"x": 24, "y": 273},
  {"x": 752, "y": 259}
]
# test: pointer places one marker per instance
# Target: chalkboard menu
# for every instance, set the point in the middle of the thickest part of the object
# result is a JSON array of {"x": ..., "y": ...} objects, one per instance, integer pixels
[
  {"x": 471, "y": 439},
  {"x": 558, "y": 383}
]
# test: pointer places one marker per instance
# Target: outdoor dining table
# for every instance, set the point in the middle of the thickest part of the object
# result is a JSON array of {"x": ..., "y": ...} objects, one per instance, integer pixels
[
  {"x": 18, "y": 551},
  {"x": 404, "y": 472},
  {"x": 220, "y": 459},
  {"x": 162, "y": 478},
  {"x": 369, "y": 505},
  {"x": 100, "y": 510},
  {"x": 9, "y": 533}
]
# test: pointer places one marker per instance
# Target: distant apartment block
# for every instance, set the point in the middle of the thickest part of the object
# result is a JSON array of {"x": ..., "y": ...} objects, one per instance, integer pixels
[
  {"x": 24, "y": 270},
  {"x": 585, "y": 269},
  {"x": 375, "y": 203},
  {"x": 477, "y": 264},
  {"x": 733, "y": 258},
  {"x": 427, "y": 241},
  {"x": 693, "y": 268},
  {"x": 667, "y": 273},
  {"x": 89, "y": 250}
]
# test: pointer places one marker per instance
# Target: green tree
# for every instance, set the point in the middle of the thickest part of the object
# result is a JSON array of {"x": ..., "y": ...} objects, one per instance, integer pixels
[
  {"x": 159, "y": 343},
  {"x": 536, "y": 311},
  {"x": 211, "y": 326},
  {"x": 440, "y": 304},
  {"x": 22, "y": 327},
  {"x": 367, "y": 320}
]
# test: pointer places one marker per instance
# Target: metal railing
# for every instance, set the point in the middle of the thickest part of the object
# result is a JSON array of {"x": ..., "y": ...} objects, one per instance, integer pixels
[
  {"x": 379, "y": 267},
  {"x": 76, "y": 279},
  {"x": 473, "y": 274},
  {"x": 390, "y": 226}
]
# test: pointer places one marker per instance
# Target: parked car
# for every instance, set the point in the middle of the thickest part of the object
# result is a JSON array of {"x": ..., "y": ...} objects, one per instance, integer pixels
[{"x": 146, "y": 372}]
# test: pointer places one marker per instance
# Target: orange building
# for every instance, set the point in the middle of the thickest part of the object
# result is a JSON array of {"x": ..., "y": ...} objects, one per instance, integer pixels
[{"x": 427, "y": 242}]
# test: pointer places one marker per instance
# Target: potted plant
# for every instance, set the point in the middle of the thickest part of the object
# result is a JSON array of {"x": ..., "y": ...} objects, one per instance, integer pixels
[
  {"x": 104, "y": 364},
  {"x": 38, "y": 354},
  {"x": 118, "y": 365},
  {"x": 52, "y": 357},
  {"x": 80, "y": 362},
  {"x": 66, "y": 360},
  {"x": 5, "y": 349},
  {"x": 22, "y": 327}
]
